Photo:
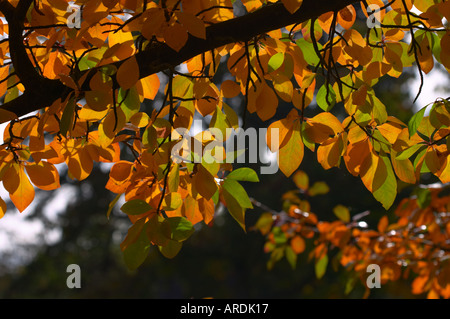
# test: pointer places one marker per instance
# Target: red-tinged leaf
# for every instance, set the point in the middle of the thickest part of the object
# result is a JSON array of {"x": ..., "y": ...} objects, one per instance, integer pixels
[
  {"x": 128, "y": 73},
  {"x": 6, "y": 116},
  {"x": 176, "y": 36},
  {"x": 292, "y": 5},
  {"x": 193, "y": 24},
  {"x": 291, "y": 154},
  {"x": 230, "y": 88}
]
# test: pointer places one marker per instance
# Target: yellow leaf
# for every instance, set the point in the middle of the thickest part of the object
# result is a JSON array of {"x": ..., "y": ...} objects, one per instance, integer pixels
[
  {"x": 404, "y": 169},
  {"x": 301, "y": 180},
  {"x": 432, "y": 160},
  {"x": 390, "y": 131},
  {"x": 291, "y": 154},
  {"x": 329, "y": 152},
  {"x": 444, "y": 172},
  {"x": 128, "y": 73}
]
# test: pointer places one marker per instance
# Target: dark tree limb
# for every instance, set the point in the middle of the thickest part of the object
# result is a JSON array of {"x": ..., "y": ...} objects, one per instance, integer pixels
[{"x": 41, "y": 92}]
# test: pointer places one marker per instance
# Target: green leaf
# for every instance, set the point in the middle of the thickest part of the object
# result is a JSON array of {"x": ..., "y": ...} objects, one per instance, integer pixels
[
  {"x": 309, "y": 53},
  {"x": 321, "y": 266},
  {"x": 342, "y": 213},
  {"x": 218, "y": 125},
  {"x": 171, "y": 249},
  {"x": 275, "y": 61},
  {"x": 157, "y": 231},
  {"x": 135, "y": 207},
  {"x": 408, "y": 152},
  {"x": 238, "y": 192},
  {"x": 236, "y": 200},
  {"x": 415, "y": 120},
  {"x": 291, "y": 256},
  {"x": 386, "y": 192},
  {"x": 67, "y": 117},
  {"x": 423, "y": 197},
  {"x": 181, "y": 228},
  {"x": 244, "y": 174},
  {"x": 135, "y": 253},
  {"x": 318, "y": 188},
  {"x": 326, "y": 99},
  {"x": 112, "y": 204},
  {"x": 129, "y": 102}
]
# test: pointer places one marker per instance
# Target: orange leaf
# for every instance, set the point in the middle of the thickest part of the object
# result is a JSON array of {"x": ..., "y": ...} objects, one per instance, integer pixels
[
  {"x": 128, "y": 73},
  {"x": 150, "y": 86},
  {"x": 346, "y": 17},
  {"x": 6, "y": 116},
  {"x": 266, "y": 103},
  {"x": 2, "y": 208},
  {"x": 298, "y": 244},
  {"x": 23, "y": 195},
  {"x": 382, "y": 224},
  {"x": 230, "y": 88},
  {"x": 43, "y": 175},
  {"x": 119, "y": 177},
  {"x": 194, "y": 25},
  {"x": 292, "y": 5}
]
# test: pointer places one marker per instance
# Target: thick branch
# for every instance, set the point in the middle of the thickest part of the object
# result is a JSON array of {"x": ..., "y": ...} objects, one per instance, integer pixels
[{"x": 162, "y": 57}]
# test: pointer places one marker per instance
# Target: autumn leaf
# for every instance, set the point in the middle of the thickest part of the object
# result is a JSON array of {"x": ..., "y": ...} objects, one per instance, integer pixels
[{"x": 128, "y": 73}]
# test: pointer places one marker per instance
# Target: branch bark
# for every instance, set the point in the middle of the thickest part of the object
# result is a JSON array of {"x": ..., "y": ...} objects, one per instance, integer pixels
[{"x": 42, "y": 92}]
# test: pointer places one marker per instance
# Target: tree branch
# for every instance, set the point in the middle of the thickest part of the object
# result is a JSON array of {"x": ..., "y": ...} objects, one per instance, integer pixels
[{"x": 41, "y": 92}]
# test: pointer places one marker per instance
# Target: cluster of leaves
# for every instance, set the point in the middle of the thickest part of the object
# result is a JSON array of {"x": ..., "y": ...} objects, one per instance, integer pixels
[
  {"x": 88, "y": 84},
  {"x": 413, "y": 244}
]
